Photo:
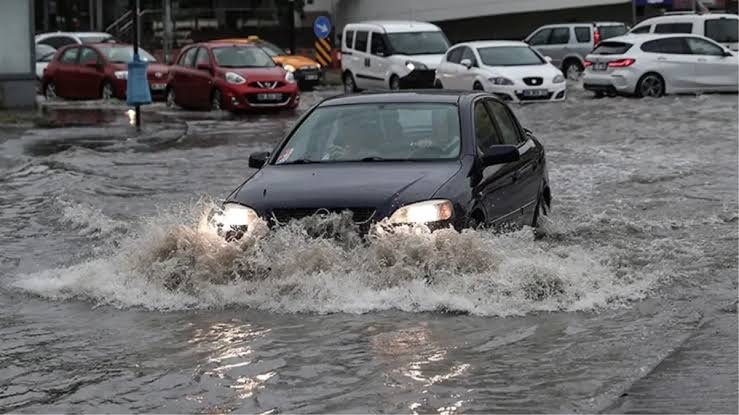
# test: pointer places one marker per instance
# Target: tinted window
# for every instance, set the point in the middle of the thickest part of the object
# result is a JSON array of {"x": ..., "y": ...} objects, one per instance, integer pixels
[
  {"x": 188, "y": 58},
  {"x": 377, "y": 45},
  {"x": 96, "y": 39},
  {"x": 673, "y": 45},
  {"x": 402, "y": 131},
  {"x": 506, "y": 124},
  {"x": 674, "y": 28},
  {"x": 241, "y": 57},
  {"x": 559, "y": 36},
  {"x": 58, "y": 42},
  {"x": 607, "y": 32},
  {"x": 69, "y": 55},
  {"x": 704, "y": 47},
  {"x": 44, "y": 53},
  {"x": 360, "y": 43},
  {"x": 349, "y": 39},
  {"x": 485, "y": 132},
  {"x": 468, "y": 54},
  {"x": 541, "y": 37},
  {"x": 454, "y": 55},
  {"x": 418, "y": 43},
  {"x": 202, "y": 57},
  {"x": 509, "y": 56},
  {"x": 612, "y": 48},
  {"x": 582, "y": 34},
  {"x": 88, "y": 55},
  {"x": 723, "y": 30},
  {"x": 641, "y": 29}
]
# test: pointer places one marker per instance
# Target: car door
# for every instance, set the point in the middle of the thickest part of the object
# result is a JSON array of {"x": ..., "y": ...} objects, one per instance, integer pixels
[
  {"x": 65, "y": 76},
  {"x": 349, "y": 60},
  {"x": 494, "y": 190},
  {"x": 559, "y": 45},
  {"x": 378, "y": 63},
  {"x": 201, "y": 83},
  {"x": 182, "y": 78},
  {"x": 364, "y": 76},
  {"x": 90, "y": 73},
  {"x": 674, "y": 63},
  {"x": 714, "y": 70},
  {"x": 540, "y": 40},
  {"x": 528, "y": 175},
  {"x": 450, "y": 69}
]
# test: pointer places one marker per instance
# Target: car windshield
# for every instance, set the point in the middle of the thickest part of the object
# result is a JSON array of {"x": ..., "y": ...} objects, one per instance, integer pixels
[
  {"x": 418, "y": 43},
  {"x": 44, "y": 53},
  {"x": 124, "y": 54},
  {"x": 272, "y": 50},
  {"x": 723, "y": 30},
  {"x": 612, "y": 48},
  {"x": 607, "y": 32},
  {"x": 242, "y": 57},
  {"x": 95, "y": 38},
  {"x": 509, "y": 56},
  {"x": 375, "y": 133}
]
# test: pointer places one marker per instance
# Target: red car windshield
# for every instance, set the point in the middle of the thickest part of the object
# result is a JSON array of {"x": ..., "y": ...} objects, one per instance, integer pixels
[
  {"x": 124, "y": 54},
  {"x": 242, "y": 57}
]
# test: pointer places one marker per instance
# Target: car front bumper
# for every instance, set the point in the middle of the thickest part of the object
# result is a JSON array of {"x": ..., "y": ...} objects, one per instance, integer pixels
[
  {"x": 517, "y": 93},
  {"x": 308, "y": 76}
]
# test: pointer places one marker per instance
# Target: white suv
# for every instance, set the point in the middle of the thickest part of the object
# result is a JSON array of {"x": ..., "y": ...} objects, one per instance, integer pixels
[
  {"x": 391, "y": 55},
  {"x": 58, "y": 40},
  {"x": 722, "y": 28}
]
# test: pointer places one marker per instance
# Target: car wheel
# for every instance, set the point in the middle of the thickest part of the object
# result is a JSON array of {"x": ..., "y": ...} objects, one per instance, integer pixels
[
  {"x": 438, "y": 84},
  {"x": 394, "y": 83},
  {"x": 106, "y": 91},
  {"x": 216, "y": 101},
  {"x": 478, "y": 87},
  {"x": 349, "y": 85},
  {"x": 573, "y": 69},
  {"x": 542, "y": 209},
  {"x": 50, "y": 91},
  {"x": 650, "y": 85}
]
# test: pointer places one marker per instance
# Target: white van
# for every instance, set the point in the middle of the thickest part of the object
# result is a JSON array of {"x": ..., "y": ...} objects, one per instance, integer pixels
[
  {"x": 721, "y": 28},
  {"x": 391, "y": 55}
]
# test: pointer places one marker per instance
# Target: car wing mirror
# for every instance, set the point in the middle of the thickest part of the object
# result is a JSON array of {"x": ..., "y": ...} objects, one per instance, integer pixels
[
  {"x": 500, "y": 154},
  {"x": 466, "y": 63},
  {"x": 258, "y": 160},
  {"x": 727, "y": 54}
]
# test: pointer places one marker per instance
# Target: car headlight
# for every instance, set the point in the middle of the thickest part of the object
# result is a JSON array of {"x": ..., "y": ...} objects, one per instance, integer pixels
[
  {"x": 318, "y": 66},
  {"x": 412, "y": 66},
  {"x": 558, "y": 79},
  {"x": 234, "y": 218},
  {"x": 121, "y": 74},
  {"x": 234, "y": 78},
  {"x": 499, "y": 80},
  {"x": 288, "y": 68},
  {"x": 289, "y": 77},
  {"x": 423, "y": 212}
]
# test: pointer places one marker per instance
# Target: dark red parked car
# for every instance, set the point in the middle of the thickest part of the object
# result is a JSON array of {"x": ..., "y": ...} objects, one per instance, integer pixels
[
  {"x": 98, "y": 71},
  {"x": 233, "y": 77}
]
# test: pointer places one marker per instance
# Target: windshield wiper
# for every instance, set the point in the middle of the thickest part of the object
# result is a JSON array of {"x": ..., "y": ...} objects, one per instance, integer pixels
[
  {"x": 378, "y": 158},
  {"x": 298, "y": 161}
]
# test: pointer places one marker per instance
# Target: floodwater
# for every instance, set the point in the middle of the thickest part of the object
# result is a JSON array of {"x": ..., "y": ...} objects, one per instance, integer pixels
[{"x": 113, "y": 299}]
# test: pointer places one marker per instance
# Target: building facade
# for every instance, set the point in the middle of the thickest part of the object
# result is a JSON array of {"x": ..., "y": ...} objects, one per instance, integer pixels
[{"x": 17, "y": 77}]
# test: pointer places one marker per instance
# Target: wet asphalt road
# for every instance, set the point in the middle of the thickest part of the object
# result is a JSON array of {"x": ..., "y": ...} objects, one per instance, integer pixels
[{"x": 111, "y": 300}]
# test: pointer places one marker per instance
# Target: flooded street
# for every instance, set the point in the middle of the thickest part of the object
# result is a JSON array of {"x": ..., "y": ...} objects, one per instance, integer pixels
[{"x": 112, "y": 300}]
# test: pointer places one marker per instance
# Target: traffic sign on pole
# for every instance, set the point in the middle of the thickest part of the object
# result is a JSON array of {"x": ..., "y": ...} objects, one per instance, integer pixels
[{"x": 322, "y": 27}]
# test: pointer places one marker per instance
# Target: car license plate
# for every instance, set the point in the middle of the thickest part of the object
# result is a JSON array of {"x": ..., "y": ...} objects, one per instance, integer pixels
[
  {"x": 535, "y": 92},
  {"x": 269, "y": 97},
  {"x": 600, "y": 66},
  {"x": 158, "y": 87},
  {"x": 311, "y": 77}
]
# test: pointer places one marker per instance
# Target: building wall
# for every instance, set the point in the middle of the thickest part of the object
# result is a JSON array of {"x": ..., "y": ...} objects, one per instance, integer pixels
[{"x": 17, "y": 79}]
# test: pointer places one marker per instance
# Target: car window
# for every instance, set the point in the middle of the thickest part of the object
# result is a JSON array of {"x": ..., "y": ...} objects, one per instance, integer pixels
[
  {"x": 242, "y": 57},
  {"x": 468, "y": 54},
  {"x": 454, "y": 55},
  {"x": 503, "y": 118},
  {"x": 360, "y": 42},
  {"x": 510, "y": 56},
  {"x": 88, "y": 55},
  {"x": 377, "y": 45},
  {"x": 641, "y": 29},
  {"x": 485, "y": 133},
  {"x": 673, "y": 45},
  {"x": 188, "y": 58},
  {"x": 202, "y": 57},
  {"x": 349, "y": 39},
  {"x": 44, "y": 53},
  {"x": 609, "y": 31},
  {"x": 612, "y": 48},
  {"x": 674, "y": 28},
  {"x": 58, "y": 42},
  {"x": 560, "y": 35},
  {"x": 69, "y": 55},
  {"x": 541, "y": 37},
  {"x": 704, "y": 47},
  {"x": 582, "y": 34},
  {"x": 723, "y": 30}
]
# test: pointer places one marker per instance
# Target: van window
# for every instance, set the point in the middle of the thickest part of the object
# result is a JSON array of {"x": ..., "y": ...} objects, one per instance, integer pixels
[
  {"x": 360, "y": 43},
  {"x": 607, "y": 32},
  {"x": 418, "y": 43},
  {"x": 582, "y": 34},
  {"x": 641, "y": 29},
  {"x": 377, "y": 46},
  {"x": 349, "y": 39},
  {"x": 674, "y": 28},
  {"x": 723, "y": 30}
]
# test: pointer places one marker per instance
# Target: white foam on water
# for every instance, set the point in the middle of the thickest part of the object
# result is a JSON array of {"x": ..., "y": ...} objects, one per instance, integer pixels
[{"x": 175, "y": 264}]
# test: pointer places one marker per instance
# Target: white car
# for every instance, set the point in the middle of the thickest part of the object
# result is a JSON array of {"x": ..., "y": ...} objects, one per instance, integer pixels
[
  {"x": 721, "y": 28},
  {"x": 654, "y": 65},
  {"x": 44, "y": 54},
  {"x": 390, "y": 55},
  {"x": 58, "y": 40},
  {"x": 511, "y": 70}
]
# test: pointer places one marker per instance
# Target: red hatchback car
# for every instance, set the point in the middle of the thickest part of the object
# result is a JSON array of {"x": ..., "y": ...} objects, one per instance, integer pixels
[
  {"x": 233, "y": 77},
  {"x": 98, "y": 71}
]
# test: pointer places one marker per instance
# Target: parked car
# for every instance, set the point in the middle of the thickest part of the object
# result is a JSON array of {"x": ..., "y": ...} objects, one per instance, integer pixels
[
  {"x": 512, "y": 71},
  {"x": 567, "y": 44},
  {"x": 441, "y": 159},
  {"x": 721, "y": 28},
  {"x": 306, "y": 71},
  {"x": 44, "y": 55},
  {"x": 654, "y": 65},
  {"x": 95, "y": 71},
  {"x": 58, "y": 40},
  {"x": 230, "y": 76},
  {"x": 391, "y": 55}
]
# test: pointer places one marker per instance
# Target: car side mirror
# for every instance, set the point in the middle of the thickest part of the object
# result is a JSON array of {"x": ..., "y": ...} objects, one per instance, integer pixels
[
  {"x": 466, "y": 63},
  {"x": 500, "y": 154},
  {"x": 548, "y": 59},
  {"x": 203, "y": 67},
  {"x": 258, "y": 160}
]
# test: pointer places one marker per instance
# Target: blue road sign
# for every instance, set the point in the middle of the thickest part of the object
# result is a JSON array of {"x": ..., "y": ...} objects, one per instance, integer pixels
[{"x": 322, "y": 27}]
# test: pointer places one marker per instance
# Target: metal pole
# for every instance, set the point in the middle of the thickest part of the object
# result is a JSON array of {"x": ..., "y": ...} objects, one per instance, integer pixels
[
  {"x": 136, "y": 52},
  {"x": 90, "y": 14},
  {"x": 167, "y": 31},
  {"x": 46, "y": 15},
  {"x": 695, "y": 5},
  {"x": 99, "y": 16},
  {"x": 291, "y": 23},
  {"x": 633, "y": 12}
]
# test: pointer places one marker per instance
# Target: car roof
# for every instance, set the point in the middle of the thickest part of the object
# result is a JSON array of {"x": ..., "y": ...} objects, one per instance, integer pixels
[
  {"x": 396, "y": 26},
  {"x": 431, "y": 96},
  {"x": 685, "y": 18},
  {"x": 77, "y": 34},
  {"x": 582, "y": 24},
  {"x": 646, "y": 37},
  {"x": 491, "y": 43}
]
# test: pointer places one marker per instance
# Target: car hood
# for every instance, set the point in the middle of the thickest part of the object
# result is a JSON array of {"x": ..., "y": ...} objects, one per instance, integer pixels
[
  {"x": 262, "y": 74},
  {"x": 384, "y": 186},
  {"x": 525, "y": 71},
  {"x": 431, "y": 61},
  {"x": 294, "y": 60}
]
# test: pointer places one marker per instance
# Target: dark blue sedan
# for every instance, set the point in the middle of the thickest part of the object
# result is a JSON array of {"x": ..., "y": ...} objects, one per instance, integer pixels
[{"x": 438, "y": 158}]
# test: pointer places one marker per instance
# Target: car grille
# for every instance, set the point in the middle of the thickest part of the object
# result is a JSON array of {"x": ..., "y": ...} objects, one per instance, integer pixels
[
  {"x": 546, "y": 97},
  {"x": 283, "y": 216},
  {"x": 267, "y": 84},
  {"x": 533, "y": 81},
  {"x": 254, "y": 99}
]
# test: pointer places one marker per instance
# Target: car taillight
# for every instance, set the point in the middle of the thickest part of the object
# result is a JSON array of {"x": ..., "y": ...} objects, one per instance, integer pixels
[
  {"x": 621, "y": 63},
  {"x": 587, "y": 64},
  {"x": 596, "y": 37}
]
